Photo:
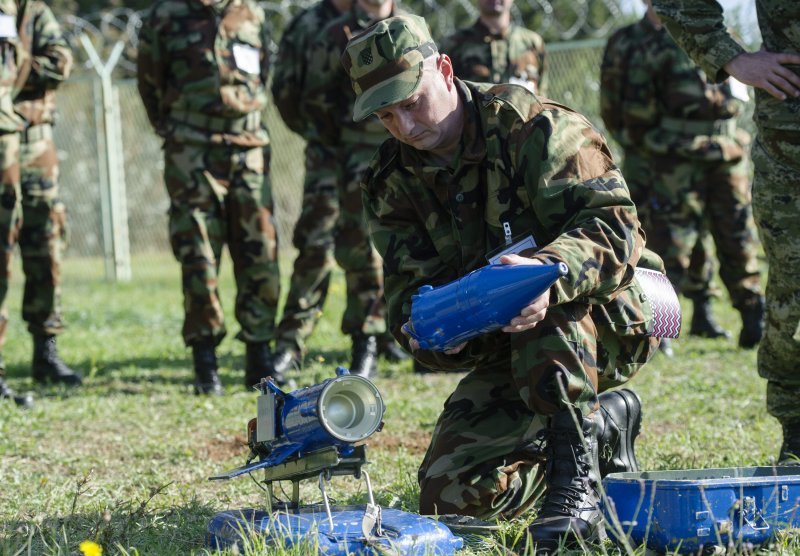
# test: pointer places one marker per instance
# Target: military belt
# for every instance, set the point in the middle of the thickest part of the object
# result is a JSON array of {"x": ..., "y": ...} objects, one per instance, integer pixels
[
  {"x": 217, "y": 124},
  {"x": 38, "y": 132},
  {"x": 699, "y": 127}
]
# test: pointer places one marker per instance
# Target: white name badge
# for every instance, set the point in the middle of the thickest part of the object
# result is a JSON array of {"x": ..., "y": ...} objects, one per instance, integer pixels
[
  {"x": 247, "y": 58},
  {"x": 514, "y": 80},
  {"x": 518, "y": 247},
  {"x": 739, "y": 90},
  {"x": 8, "y": 26}
]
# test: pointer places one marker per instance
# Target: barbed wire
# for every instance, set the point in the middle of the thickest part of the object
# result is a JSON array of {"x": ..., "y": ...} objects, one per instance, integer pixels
[{"x": 554, "y": 19}]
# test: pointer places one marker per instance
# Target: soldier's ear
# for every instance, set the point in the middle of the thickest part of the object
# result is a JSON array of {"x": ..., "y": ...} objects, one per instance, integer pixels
[{"x": 445, "y": 67}]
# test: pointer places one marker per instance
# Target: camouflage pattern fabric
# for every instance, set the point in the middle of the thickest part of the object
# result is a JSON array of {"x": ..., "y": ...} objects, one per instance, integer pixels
[
  {"x": 43, "y": 214},
  {"x": 684, "y": 179},
  {"x": 541, "y": 169},
  {"x": 216, "y": 198},
  {"x": 698, "y": 27},
  {"x": 331, "y": 224},
  {"x": 11, "y": 57},
  {"x": 517, "y": 56},
  {"x": 202, "y": 75}
]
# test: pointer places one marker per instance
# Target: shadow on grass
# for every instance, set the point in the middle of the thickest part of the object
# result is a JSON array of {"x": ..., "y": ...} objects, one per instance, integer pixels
[{"x": 120, "y": 529}]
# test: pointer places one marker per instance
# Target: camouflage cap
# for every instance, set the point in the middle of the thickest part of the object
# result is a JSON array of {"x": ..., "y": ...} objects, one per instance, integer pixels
[{"x": 385, "y": 62}]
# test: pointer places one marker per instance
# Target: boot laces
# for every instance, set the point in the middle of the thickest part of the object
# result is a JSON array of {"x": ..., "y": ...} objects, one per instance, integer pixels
[{"x": 566, "y": 458}]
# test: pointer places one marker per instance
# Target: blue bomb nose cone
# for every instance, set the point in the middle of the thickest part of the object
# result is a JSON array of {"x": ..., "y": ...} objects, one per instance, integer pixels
[{"x": 482, "y": 301}]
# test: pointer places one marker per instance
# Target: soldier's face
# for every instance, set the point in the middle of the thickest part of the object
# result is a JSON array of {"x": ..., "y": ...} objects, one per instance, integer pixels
[
  {"x": 426, "y": 120},
  {"x": 494, "y": 7}
]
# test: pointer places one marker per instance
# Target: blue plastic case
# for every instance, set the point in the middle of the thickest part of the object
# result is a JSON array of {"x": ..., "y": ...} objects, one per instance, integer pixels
[
  {"x": 403, "y": 532},
  {"x": 687, "y": 510}
]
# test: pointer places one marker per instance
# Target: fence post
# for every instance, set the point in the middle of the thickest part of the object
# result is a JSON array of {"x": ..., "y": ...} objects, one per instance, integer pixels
[{"x": 113, "y": 192}]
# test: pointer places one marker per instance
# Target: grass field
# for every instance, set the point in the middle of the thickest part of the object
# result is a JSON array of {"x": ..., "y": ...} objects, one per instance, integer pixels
[{"x": 124, "y": 461}]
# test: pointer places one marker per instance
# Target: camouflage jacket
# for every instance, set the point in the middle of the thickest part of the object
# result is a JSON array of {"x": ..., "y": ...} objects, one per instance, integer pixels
[
  {"x": 49, "y": 63},
  {"x": 698, "y": 27},
  {"x": 330, "y": 96},
  {"x": 291, "y": 67},
  {"x": 654, "y": 99},
  {"x": 11, "y": 57},
  {"x": 526, "y": 164},
  {"x": 516, "y": 57},
  {"x": 203, "y": 67}
]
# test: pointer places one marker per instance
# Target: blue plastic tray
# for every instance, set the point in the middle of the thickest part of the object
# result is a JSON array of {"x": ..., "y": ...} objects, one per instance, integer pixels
[
  {"x": 404, "y": 533},
  {"x": 687, "y": 510}
]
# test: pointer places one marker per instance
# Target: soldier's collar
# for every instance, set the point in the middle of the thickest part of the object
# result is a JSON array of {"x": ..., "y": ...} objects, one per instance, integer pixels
[{"x": 485, "y": 32}]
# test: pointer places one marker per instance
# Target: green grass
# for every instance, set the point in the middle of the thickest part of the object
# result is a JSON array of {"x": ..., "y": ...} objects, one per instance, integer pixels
[{"x": 124, "y": 461}]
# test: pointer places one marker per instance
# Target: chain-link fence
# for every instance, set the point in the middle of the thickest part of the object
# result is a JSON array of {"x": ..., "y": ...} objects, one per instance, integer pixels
[{"x": 573, "y": 78}]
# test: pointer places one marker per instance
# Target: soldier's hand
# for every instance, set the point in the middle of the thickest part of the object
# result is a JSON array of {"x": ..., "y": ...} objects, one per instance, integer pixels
[
  {"x": 767, "y": 70},
  {"x": 533, "y": 313}
]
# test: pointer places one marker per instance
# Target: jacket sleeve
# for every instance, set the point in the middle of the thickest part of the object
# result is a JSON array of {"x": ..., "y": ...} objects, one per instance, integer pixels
[
  {"x": 581, "y": 199},
  {"x": 289, "y": 72},
  {"x": 698, "y": 27},
  {"x": 151, "y": 67},
  {"x": 51, "y": 56}
]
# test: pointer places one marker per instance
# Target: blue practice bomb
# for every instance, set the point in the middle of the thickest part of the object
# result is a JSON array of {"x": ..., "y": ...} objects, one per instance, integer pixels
[{"x": 482, "y": 301}]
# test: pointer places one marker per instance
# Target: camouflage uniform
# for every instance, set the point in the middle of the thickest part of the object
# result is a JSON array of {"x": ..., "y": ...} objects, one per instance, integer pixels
[
  {"x": 543, "y": 170},
  {"x": 331, "y": 222},
  {"x": 43, "y": 215},
  {"x": 684, "y": 159},
  {"x": 203, "y": 70},
  {"x": 698, "y": 27},
  {"x": 10, "y": 125},
  {"x": 515, "y": 57}
]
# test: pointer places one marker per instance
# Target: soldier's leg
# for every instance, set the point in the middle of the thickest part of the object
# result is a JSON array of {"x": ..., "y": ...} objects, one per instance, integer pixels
[
  {"x": 40, "y": 237},
  {"x": 313, "y": 238},
  {"x": 196, "y": 180},
  {"x": 775, "y": 197},
  {"x": 364, "y": 315},
  {"x": 731, "y": 223},
  {"x": 253, "y": 244}
]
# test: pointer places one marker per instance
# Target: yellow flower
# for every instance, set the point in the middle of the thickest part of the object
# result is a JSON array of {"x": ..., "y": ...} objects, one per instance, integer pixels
[{"x": 89, "y": 548}]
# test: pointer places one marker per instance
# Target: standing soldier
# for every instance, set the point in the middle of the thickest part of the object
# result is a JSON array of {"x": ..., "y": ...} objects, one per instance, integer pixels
[
  {"x": 10, "y": 125},
  {"x": 687, "y": 163},
  {"x": 203, "y": 67},
  {"x": 698, "y": 27},
  {"x": 43, "y": 217},
  {"x": 495, "y": 50},
  {"x": 315, "y": 98}
]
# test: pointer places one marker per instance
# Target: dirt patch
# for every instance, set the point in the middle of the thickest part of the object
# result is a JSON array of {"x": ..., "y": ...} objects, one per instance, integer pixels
[
  {"x": 416, "y": 442},
  {"x": 223, "y": 449}
]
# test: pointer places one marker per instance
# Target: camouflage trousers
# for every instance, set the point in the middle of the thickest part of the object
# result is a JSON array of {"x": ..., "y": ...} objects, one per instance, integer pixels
[
  {"x": 483, "y": 459},
  {"x": 689, "y": 197},
  {"x": 699, "y": 277},
  {"x": 776, "y": 194},
  {"x": 331, "y": 226},
  {"x": 10, "y": 217},
  {"x": 221, "y": 195}
]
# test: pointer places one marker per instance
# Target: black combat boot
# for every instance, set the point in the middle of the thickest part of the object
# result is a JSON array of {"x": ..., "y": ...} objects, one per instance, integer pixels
[
  {"x": 7, "y": 393},
  {"x": 703, "y": 323},
  {"x": 571, "y": 506},
  {"x": 364, "y": 356},
  {"x": 48, "y": 366},
  {"x": 752, "y": 323},
  {"x": 205, "y": 368},
  {"x": 790, "y": 449},
  {"x": 284, "y": 360},
  {"x": 391, "y": 350},
  {"x": 257, "y": 365},
  {"x": 620, "y": 421}
]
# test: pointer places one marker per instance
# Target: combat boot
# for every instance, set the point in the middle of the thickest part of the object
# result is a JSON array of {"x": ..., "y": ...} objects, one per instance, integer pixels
[
  {"x": 391, "y": 350},
  {"x": 790, "y": 449},
  {"x": 703, "y": 323},
  {"x": 257, "y": 365},
  {"x": 620, "y": 419},
  {"x": 364, "y": 356},
  {"x": 206, "y": 380},
  {"x": 752, "y": 323},
  {"x": 284, "y": 360},
  {"x": 48, "y": 366},
  {"x": 570, "y": 509},
  {"x": 6, "y": 393}
]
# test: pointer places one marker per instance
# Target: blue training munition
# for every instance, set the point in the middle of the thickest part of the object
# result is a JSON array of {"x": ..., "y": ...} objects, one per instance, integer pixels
[{"x": 482, "y": 301}]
